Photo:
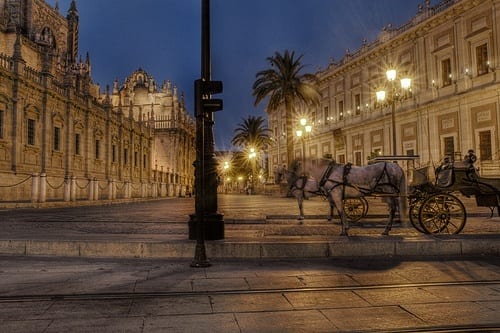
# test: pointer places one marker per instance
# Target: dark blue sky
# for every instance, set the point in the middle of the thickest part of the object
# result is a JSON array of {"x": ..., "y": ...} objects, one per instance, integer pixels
[{"x": 163, "y": 37}]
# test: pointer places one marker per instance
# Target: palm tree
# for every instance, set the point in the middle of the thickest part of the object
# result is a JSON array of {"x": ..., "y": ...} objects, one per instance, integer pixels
[
  {"x": 252, "y": 135},
  {"x": 284, "y": 85},
  {"x": 252, "y": 132}
]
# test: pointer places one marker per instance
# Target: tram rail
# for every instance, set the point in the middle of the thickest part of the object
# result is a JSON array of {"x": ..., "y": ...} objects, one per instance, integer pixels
[{"x": 164, "y": 294}]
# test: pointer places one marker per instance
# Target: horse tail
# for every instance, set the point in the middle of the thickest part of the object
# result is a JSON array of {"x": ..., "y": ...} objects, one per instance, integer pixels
[{"x": 403, "y": 203}]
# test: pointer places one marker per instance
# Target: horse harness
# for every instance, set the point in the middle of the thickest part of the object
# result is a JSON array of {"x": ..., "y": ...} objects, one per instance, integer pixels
[
  {"x": 294, "y": 186},
  {"x": 345, "y": 183}
]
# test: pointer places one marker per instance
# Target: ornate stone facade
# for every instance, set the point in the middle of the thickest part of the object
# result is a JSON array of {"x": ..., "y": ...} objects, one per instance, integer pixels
[
  {"x": 62, "y": 139},
  {"x": 450, "y": 51}
]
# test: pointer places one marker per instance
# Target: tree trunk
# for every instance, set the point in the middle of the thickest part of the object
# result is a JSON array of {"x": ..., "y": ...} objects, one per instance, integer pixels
[{"x": 289, "y": 132}]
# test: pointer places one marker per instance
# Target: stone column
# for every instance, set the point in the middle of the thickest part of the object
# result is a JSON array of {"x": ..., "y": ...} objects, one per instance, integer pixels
[
  {"x": 67, "y": 188},
  {"x": 35, "y": 182},
  {"x": 110, "y": 189},
  {"x": 91, "y": 189},
  {"x": 43, "y": 187},
  {"x": 73, "y": 188},
  {"x": 96, "y": 189}
]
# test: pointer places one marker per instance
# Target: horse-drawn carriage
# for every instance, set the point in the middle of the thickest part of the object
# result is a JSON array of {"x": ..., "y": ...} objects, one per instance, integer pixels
[{"x": 434, "y": 208}]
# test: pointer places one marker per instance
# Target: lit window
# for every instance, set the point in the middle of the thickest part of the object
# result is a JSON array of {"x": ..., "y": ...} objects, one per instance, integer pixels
[
  {"x": 357, "y": 104},
  {"x": 482, "y": 59},
  {"x": 449, "y": 145},
  {"x": 485, "y": 151},
  {"x": 446, "y": 72}
]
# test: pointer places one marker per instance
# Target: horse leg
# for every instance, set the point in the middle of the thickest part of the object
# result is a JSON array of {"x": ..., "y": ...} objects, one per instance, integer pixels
[
  {"x": 392, "y": 211},
  {"x": 337, "y": 202},
  {"x": 300, "y": 201}
]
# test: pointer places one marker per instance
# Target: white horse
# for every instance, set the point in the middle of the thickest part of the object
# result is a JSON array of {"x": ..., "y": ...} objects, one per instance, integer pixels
[
  {"x": 302, "y": 187},
  {"x": 343, "y": 181}
]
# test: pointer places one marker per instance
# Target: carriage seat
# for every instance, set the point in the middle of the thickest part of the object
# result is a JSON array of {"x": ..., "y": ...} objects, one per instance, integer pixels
[{"x": 445, "y": 177}]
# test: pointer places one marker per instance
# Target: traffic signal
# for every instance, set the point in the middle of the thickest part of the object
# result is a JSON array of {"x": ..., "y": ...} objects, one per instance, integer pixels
[{"x": 203, "y": 91}]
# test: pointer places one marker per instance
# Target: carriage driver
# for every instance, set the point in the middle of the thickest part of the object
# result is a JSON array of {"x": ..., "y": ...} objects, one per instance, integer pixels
[
  {"x": 470, "y": 157},
  {"x": 445, "y": 165}
]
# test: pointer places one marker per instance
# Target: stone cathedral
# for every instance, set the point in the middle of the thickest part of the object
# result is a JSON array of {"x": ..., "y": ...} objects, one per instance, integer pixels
[{"x": 62, "y": 138}]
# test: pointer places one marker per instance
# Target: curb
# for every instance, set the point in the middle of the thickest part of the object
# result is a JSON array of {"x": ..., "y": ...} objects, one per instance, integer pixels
[{"x": 354, "y": 246}]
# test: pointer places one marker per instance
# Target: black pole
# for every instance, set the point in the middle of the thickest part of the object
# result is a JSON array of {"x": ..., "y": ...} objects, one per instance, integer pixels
[
  {"x": 207, "y": 222},
  {"x": 205, "y": 40}
]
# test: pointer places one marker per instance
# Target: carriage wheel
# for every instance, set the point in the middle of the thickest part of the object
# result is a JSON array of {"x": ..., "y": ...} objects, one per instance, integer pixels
[
  {"x": 414, "y": 214},
  {"x": 355, "y": 208},
  {"x": 442, "y": 214}
]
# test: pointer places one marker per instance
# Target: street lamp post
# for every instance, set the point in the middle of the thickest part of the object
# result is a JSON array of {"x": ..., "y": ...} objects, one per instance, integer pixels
[
  {"x": 391, "y": 75},
  {"x": 252, "y": 156},
  {"x": 303, "y": 131}
]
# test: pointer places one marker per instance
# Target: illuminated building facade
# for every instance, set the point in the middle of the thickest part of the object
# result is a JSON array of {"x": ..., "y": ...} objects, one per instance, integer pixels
[
  {"x": 451, "y": 53},
  {"x": 62, "y": 139}
]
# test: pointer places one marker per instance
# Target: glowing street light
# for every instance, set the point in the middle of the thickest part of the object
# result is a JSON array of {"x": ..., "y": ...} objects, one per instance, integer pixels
[
  {"x": 302, "y": 133},
  {"x": 391, "y": 75},
  {"x": 252, "y": 156}
]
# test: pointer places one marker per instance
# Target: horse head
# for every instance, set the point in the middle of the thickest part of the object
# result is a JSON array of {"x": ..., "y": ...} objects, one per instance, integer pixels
[
  {"x": 278, "y": 174},
  {"x": 289, "y": 175},
  {"x": 295, "y": 166}
]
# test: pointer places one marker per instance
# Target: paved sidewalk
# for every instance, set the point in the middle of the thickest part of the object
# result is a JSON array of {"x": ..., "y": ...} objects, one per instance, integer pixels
[
  {"x": 57, "y": 294},
  {"x": 255, "y": 227}
]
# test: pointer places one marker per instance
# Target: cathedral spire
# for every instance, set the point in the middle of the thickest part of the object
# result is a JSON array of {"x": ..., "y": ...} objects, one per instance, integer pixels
[{"x": 73, "y": 27}]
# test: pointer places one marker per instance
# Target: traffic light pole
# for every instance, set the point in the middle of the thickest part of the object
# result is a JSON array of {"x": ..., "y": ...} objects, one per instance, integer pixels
[{"x": 207, "y": 223}]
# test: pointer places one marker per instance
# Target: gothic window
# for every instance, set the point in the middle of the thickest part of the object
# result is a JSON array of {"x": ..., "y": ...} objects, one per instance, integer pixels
[
  {"x": 482, "y": 59},
  {"x": 125, "y": 156},
  {"x": 57, "y": 138},
  {"x": 77, "y": 144},
  {"x": 135, "y": 159},
  {"x": 144, "y": 161},
  {"x": 485, "y": 151},
  {"x": 97, "y": 149},
  {"x": 446, "y": 72},
  {"x": 1, "y": 123},
  {"x": 30, "y": 133}
]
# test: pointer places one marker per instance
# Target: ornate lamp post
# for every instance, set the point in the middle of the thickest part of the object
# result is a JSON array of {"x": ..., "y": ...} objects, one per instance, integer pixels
[
  {"x": 395, "y": 94},
  {"x": 303, "y": 131}
]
